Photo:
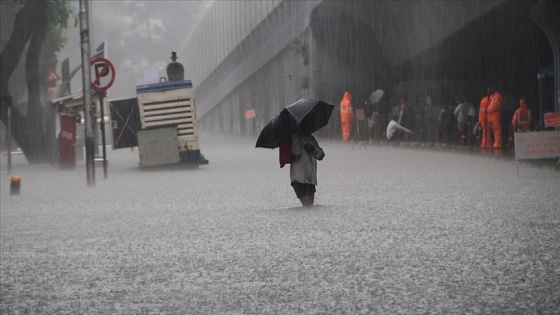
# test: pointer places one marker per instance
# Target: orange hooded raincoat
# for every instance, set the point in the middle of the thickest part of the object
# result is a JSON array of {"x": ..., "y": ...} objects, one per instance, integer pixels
[
  {"x": 483, "y": 121},
  {"x": 346, "y": 115},
  {"x": 494, "y": 118},
  {"x": 522, "y": 118}
]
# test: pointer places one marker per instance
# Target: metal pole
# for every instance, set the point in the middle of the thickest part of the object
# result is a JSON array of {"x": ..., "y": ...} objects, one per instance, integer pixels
[
  {"x": 86, "y": 81},
  {"x": 102, "y": 104},
  {"x": 486, "y": 128},
  {"x": 541, "y": 103},
  {"x": 515, "y": 152},
  {"x": 8, "y": 133}
]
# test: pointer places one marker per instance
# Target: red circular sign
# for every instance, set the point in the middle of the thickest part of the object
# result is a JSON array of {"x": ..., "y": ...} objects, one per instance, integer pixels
[{"x": 102, "y": 67}]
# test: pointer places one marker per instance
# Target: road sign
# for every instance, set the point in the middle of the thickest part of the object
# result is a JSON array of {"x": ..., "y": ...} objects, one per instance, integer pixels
[
  {"x": 102, "y": 68},
  {"x": 552, "y": 120},
  {"x": 52, "y": 76},
  {"x": 360, "y": 114},
  {"x": 537, "y": 145},
  {"x": 250, "y": 114}
]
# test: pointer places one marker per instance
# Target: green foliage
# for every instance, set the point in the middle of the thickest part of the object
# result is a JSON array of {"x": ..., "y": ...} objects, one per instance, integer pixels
[
  {"x": 58, "y": 12},
  {"x": 59, "y": 37},
  {"x": 300, "y": 46},
  {"x": 297, "y": 43}
]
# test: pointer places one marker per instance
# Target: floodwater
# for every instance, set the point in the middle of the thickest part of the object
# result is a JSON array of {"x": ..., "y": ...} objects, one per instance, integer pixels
[{"x": 394, "y": 231}]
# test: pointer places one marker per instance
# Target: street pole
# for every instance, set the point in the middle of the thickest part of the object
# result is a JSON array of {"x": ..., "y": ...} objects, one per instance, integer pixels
[
  {"x": 486, "y": 135},
  {"x": 86, "y": 81},
  {"x": 102, "y": 102},
  {"x": 9, "y": 132}
]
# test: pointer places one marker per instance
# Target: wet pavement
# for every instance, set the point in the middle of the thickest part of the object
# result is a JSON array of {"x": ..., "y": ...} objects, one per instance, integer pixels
[{"x": 395, "y": 230}]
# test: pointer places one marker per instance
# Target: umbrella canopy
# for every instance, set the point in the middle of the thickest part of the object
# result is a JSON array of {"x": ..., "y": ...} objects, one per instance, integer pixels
[
  {"x": 307, "y": 115},
  {"x": 310, "y": 114},
  {"x": 376, "y": 97},
  {"x": 280, "y": 126}
]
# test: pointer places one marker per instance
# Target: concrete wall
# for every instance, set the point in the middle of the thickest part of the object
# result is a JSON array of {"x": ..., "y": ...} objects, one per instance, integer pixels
[{"x": 405, "y": 47}]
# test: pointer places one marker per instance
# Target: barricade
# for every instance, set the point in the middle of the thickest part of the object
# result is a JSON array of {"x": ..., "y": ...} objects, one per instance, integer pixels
[{"x": 536, "y": 145}]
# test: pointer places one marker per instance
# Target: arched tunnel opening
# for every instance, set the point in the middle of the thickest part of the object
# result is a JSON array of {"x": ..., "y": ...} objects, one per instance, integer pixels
[{"x": 502, "y": 47}]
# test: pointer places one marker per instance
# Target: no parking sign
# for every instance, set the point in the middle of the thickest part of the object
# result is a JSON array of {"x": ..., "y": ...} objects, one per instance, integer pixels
[{"x": 104, "y": 74}]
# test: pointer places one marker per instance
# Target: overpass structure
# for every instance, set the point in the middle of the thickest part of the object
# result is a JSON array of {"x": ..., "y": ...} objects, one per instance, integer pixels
[{"x": 264, "y": 55}]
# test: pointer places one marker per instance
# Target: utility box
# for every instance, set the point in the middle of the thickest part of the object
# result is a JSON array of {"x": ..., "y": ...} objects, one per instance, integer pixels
[
  {"x": 158, "y": 146},
  {"x": 171, "y": 104},
  {"x": 67, "y": 141},
  {"x": 161, "y": 120}
]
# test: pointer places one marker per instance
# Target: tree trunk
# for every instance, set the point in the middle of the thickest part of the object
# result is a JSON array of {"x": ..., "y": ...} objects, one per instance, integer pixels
[
  {"x": 50, "y": 61},
  {"x": 11, "y": 54},
  {"x": 32, "y": 140},
  {"x": 28, "y": 130}
]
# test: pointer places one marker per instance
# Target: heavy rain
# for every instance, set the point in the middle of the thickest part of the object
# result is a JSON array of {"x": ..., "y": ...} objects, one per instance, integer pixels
[{"x": 172, "y": 192}]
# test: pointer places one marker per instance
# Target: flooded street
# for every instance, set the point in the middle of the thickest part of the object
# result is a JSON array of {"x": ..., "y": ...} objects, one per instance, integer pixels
[
  {"x": 394, "y": 231},
  {"x": 419, "y": 220}
]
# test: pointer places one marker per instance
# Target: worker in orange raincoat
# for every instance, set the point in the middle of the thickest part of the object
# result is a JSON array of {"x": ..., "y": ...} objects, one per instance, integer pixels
[
  {"x": 522, "y": 118},
  {"x": 346, "y": 115},
  {"x": 494, "y": 118},
  {"x": 483, "y": 120}
]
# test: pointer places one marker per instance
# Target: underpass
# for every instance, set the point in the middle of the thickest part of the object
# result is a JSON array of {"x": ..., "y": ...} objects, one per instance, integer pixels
[{"x": 319, "y": 49}]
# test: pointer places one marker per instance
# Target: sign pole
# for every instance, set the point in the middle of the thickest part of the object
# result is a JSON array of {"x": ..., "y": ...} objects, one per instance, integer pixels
[
  {"x": 102, "y": 68},
  {"x": 9, "y": 133},
  {"x": 86, "y": 81},
  {"x": 515, "y": 152},
  {"x": 102, "y": 104}
]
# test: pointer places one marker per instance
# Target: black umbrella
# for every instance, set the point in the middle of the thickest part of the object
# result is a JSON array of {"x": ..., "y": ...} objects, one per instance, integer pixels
[
  {"x": 280, "y": 126},
  {"x": 376, "y": 97},
  {"x": 307, "y": 115}
]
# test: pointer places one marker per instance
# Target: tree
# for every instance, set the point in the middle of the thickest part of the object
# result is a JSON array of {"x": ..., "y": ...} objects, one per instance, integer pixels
[{"x": 34, "y": 22}]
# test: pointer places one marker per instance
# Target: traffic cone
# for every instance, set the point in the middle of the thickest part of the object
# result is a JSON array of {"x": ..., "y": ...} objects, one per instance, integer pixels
[{"x": 15, "y": 185}]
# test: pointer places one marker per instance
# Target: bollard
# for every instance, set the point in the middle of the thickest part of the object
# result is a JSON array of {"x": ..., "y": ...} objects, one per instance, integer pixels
[{"x": 15, "y": 185}]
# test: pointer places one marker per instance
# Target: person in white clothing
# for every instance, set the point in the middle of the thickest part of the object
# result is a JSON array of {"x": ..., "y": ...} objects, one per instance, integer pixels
[
  {"x": 460, "y": 114},
  {"x": 303, "y": 168},
  {"x": 393, "y": 128}
]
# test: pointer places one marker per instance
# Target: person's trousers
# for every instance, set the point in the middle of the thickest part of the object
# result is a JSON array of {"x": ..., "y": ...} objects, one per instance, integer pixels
[
  {"x": 486, "y": 139},
  {"x": 345, "y": 130},
  {"x": 462, "y": 134},
  {"x": 496, "y": 129}
]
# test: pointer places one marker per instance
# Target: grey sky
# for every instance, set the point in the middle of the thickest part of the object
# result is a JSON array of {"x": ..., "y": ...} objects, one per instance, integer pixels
[{"x": 139, "y": 35}]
